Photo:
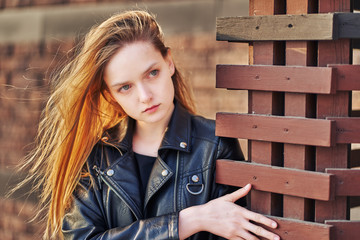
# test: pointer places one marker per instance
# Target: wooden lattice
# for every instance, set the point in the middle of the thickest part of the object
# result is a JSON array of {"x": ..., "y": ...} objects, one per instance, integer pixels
[{"x": 299, "y": 123}]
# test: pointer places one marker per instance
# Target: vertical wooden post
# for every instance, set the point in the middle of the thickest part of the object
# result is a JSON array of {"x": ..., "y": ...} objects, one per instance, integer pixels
[
  {"x": 266, "y": 103},
  {"x": 337, "y": 52},
  {"x": 300, "y": 53}
]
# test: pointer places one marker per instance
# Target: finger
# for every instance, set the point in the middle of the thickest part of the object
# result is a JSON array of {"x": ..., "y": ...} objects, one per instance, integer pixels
[
  {"x": 248, "y": 236},
  {"x": 259, "y": 231},
  {"x": 258, "y": 218},
  {"x": 242, "y": 192},
  {"x": 237, "y": 238}
]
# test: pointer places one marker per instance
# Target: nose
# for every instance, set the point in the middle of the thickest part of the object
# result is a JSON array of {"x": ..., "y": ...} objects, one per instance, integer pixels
[{"x": 144, "y": 93}]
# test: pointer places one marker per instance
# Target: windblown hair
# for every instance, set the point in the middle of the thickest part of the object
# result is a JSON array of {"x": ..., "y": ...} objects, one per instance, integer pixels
[{"x": 80, "y": 108}]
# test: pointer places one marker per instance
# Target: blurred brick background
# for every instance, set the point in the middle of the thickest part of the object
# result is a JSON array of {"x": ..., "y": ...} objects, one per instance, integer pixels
[{"x": 36, "y": 34}]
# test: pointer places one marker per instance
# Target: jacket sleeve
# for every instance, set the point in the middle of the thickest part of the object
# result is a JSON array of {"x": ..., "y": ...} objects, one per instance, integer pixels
[
  {"x": 228, "y": 148},
  {"x": 84, "y": 220}
]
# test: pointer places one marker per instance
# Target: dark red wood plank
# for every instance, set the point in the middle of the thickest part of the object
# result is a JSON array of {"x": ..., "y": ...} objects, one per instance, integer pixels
[
  {"x": 346, "y": 181},
  {"x": 276, "y": 78},
  {"x": 289, "y": 229},
  {"x": 326, "y": 6},
  {"x": 275, "y": 179},
  {"x": 299, "y": 53},
  {"x": 266, "y": 103},
  {"x": 335, "y": 105},
  {"x": 344, "y": 230},
  {"x": 347, "y": 77},
  {"x": 347, "y": 129},
  {"x": 276, "y": 129}
]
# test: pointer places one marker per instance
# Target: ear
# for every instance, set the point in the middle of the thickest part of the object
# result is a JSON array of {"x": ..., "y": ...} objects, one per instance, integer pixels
[{"x": 170, "y": 62}]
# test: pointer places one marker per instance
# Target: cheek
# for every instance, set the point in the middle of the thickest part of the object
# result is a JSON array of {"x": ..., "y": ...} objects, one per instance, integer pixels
[
  {"x": 123, "y": 102},
  {"x": 129, "y": 107}
]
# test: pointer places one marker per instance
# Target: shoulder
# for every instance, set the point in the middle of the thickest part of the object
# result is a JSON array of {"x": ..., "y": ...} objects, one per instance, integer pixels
[
  {"x": 203, "y": 128},
  {"x": 104, "y": 154}
]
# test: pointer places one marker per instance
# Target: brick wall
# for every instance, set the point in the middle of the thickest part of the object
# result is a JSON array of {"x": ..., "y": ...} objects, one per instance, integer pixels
[
  {"x": 24, "y": 70},
  {"x": 34, "y": 3},
  {"x": 14, "y": 221},
  {"x": 23, "y": 89}
]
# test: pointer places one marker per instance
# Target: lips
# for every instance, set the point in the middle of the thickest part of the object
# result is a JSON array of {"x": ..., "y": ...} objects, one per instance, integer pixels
[{"x": 152, "y": 108}]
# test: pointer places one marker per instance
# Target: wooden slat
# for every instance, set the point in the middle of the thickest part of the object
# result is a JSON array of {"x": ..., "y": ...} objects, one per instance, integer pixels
[
  {"x": 276, "y": 78},
  {"x": 266, "y": 53},
  {"x": 347, "y": 77},
  {"x": 347, "y": 129},
  {"x": 331, "y": 26},
  {"x": 289, "y": 229},
  {"x": 347, "y": 181},
  {"x": 344, "y": 230},
  {"x": 275, "y": 28},
  {"x": 335, "y": 105},
  {"x": 348, "y": 25},
  {"x": 275, "y": 179},
  {"x": 295, "y": 130},
  {"x": 318, "y": 80},
  {"x": 299, "y": 53}
]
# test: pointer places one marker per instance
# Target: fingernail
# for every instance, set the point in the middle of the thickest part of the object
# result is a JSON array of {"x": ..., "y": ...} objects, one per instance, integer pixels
[
  {"x": 274, "y": 225},
  {"x": 276, "y": 238}
]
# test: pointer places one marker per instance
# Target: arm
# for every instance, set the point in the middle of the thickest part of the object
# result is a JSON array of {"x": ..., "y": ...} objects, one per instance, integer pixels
[
  {"x": 221, "y": 216},
  {"x": 224, "y": 218}
]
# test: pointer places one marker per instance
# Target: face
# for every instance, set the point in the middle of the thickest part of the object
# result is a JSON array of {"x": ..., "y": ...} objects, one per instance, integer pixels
[{"x": 139, "y": 79}]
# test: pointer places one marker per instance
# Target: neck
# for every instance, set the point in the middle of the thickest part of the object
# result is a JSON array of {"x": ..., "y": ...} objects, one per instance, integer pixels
[
  {"x": 147, "y": 137},
  {"x": 150, "y": 131}
]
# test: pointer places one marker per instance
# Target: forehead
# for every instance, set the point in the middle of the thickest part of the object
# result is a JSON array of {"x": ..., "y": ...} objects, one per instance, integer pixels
[{"x": 132, "y": 59}]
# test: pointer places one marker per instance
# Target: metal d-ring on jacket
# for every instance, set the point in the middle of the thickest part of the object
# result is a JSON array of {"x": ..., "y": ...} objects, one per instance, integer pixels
[{"x": 108, "y": 204}]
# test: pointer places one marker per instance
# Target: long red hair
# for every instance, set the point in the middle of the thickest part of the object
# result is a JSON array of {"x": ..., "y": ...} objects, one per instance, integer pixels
[{"x": 80, "y": 109}]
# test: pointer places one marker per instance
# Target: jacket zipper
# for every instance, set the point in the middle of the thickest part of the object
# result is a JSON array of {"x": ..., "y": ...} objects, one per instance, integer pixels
[
  {"x": 98, "y": 172},
  {"x": 102, "y": 178},
  {"x": 176, "y": 181}
]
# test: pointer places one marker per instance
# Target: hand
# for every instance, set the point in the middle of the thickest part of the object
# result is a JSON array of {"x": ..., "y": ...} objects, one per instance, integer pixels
[
  {"x": 224, "y": 218},
  {"x": 233, "y": 222}
]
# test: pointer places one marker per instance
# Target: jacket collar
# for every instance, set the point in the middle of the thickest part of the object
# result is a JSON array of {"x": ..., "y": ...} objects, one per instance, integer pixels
[{"x": 177, "y": 135}]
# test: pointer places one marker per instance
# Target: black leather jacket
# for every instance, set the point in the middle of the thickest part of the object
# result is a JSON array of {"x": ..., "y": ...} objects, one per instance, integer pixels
[{"x": 107, "y": 205}]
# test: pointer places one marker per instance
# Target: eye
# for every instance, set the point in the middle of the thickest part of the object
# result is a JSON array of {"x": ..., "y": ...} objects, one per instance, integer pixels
[
  {"x": 124, "y": 88},
  {"x": 153, "y": 73}
]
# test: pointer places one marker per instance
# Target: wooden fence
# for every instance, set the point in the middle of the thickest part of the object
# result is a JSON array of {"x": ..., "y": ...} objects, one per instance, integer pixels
[{"x": 300, "y": 124}]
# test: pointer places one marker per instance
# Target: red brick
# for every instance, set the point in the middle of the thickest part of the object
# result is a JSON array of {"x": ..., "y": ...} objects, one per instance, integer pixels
[
  {"x": 7, "y": 205},
  {"x": 6, "y": 50},
  {"x": 11, "y": 3},
  {"x": 25, "y": 49},
  {"x": 10, "y": 63},
  {"x": 48, "y": 2},
  {"x": 81, "y": 1},
  {"x": 25, "y": 3},
  {"x": 6, "y": 234}
]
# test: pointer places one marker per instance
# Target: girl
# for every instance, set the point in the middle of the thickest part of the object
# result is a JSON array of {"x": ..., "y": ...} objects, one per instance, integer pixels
[{"x": 122, "y": 155}]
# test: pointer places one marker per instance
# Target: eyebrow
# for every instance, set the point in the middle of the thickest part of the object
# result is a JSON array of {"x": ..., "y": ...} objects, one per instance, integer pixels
[{"x": 126, "y": 82}]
